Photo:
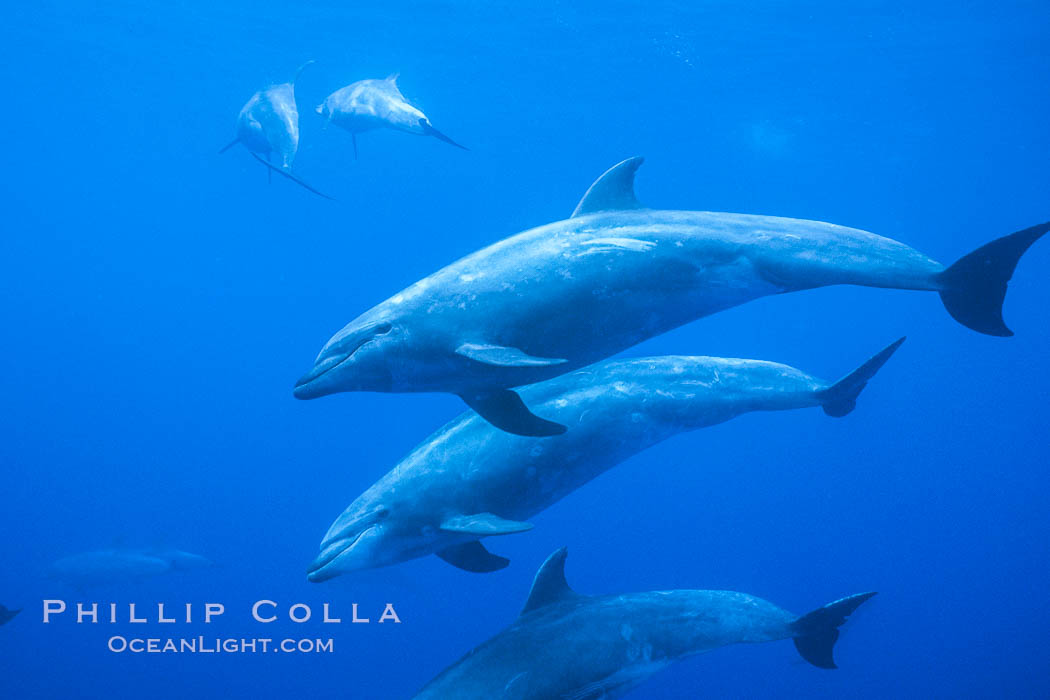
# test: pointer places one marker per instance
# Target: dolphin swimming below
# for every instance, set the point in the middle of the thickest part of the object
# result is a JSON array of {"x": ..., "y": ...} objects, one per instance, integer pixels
[
  {"x": 470, "y": 480},
  {"x": 568, "y": 645},
  {"x": 117, "y": 565},
  {"x": 377, "y": 104},
  {"x": 7, "y": 615},
  {"x": 565, "y": 295},
  {"x": 268, "y": 125}
]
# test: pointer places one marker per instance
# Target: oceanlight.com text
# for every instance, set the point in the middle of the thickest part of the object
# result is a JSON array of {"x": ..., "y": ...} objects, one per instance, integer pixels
[{"x": 218, "y": 645}]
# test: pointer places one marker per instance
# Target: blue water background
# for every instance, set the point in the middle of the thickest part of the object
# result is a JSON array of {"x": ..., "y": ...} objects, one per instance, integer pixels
[{"x": 158, "y": 301}]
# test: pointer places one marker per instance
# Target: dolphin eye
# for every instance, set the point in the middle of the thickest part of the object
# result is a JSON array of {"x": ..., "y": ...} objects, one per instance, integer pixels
[{"x": 384, "y": 328}]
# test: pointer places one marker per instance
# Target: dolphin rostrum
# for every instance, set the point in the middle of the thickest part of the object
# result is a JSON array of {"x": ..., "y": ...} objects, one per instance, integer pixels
[
  {"x": 565, "y": 295},
  {"x": 116, "y": 565},
  {"x": 568, "y": 645},
  {"x": 470, "y": 480},
  {"x": 377, "y": 104},
  {"x": 7, "y": 615},
  {"x": 268, "y": 125}
]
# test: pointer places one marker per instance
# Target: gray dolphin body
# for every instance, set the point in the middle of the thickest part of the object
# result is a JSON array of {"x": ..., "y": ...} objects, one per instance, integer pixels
[
  {"x": 377, "y": 104},
  {"x": 567, "y": 645},
  {"x": 470, "y": 480},
  {"x": 117, "y": 565},
  {"x": 268, "y": 125},
  {"x": 7, "y": 615},
  {"x": 559, "y": 297}
]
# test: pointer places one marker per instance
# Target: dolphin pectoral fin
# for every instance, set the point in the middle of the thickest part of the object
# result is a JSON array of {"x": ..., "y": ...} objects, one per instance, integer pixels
[
  {"x": 614, "y": 189},
  {"x": 228, "y": 146},
  {"x": 505, "y": 410},
  {"x": 841, "y": 397},
  {"x": 484, "y": 525},
  {"x": 431, "y": 131},
  {"x": 473, "y": 557},
  {"x": 503, "y": 356},
  {"x": 293, "y": 178},
  {"x": 815, "y": 633}
]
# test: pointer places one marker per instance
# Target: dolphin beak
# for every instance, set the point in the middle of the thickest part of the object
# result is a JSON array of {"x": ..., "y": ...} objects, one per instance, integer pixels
[
  {"x": 323, "y": 567},
  {"x": 306, "y": 388}
]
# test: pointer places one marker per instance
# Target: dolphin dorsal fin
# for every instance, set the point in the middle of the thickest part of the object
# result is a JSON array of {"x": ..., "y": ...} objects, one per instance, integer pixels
[
  {"x": 392, "y": 78},
  {"x": 613, "y": 190},
  {"x": 550, "y": 585}
]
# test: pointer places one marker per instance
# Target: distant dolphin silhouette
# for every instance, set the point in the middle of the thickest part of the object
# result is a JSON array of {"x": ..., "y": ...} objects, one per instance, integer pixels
[
  {"x": 470, "y": 480},
  {"x": 565, "y": 295},
  {"x": 116, "y": 565},
  {"x": 269, "y": 124},
  {"x": 7, "y": 615},
  {"x": 568, "y": 645},
  {"x": 377, "y": 104}
]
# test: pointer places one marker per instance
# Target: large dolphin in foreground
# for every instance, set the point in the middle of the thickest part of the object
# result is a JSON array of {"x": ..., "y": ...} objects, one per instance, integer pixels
[
  {"x": 117, "y": 565},
  {"x": 7, "y": 615},
  {"x": 565, "y": 295},
  {"x": 567, "y": 645},
  {"x": 376, "y": 104},
  {"x": 470, "y": 480},
  {"x": 268, "y": 125}
]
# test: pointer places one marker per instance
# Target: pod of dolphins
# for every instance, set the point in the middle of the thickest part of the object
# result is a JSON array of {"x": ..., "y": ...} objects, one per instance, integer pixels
[
  {"x": 268, "y": 124},
  {"x": 523, "y": 331}
]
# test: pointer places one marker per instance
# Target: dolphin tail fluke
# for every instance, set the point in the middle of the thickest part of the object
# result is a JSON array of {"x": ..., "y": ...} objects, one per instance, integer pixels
[
  {"x": 284, "y": 173},
  {"x": 841, "y": 397},
  {"x": 228, "y": 146},
  {"x": 431, "y": 131},
  {"x": 505, "y": 410},
  {"x": 301, "y": 69},
  {"x": 973, "y": 289},
  {"x": 815, "y": 633},
  {"x": 7, "y": 615}
]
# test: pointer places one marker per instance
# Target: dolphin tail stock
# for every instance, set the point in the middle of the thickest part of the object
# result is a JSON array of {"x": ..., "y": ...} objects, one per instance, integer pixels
[
  {"x": 815, "y": 633},
  {"x": 504, "y": 409},
  {"x": 230, "y": 145},
  {"x": 841, "y": 397},
  {"x": 431, "y": 131},
  {"x": 293, "y": 178},
  {"x": 973, "y": 289}
]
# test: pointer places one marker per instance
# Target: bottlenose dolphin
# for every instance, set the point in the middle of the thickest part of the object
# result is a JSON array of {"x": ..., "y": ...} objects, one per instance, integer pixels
[
  {"x": 268, "y": 124},
  {"x": 470, "y": 480},
  {"x": 115, "y": 565},
  {"x": 565, "y": 295},
  {"x": 7, "y": 615},
  {"x": 568, "y": 645},
  {"x": 377, "y": 104}
]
